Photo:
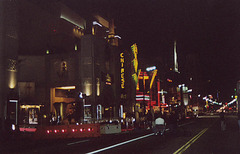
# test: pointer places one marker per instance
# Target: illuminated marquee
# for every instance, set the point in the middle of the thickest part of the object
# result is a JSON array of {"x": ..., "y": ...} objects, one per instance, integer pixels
[{"x": 122, "y": 70}]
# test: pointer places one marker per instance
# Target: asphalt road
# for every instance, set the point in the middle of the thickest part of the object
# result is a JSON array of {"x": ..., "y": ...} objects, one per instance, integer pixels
[{"x": 201, "y": 136}]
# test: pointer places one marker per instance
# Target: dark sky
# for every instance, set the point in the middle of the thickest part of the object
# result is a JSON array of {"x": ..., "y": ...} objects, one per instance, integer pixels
[{"x": 209, "y": 28}]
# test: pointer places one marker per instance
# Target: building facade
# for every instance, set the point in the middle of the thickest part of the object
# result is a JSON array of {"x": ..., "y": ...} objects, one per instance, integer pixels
[{"x": 68, "y": 66}]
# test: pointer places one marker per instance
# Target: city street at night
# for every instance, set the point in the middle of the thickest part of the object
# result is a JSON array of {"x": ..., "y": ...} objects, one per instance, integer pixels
[
  {"x": 201, "y": 135},
  {"x": 120, "y": 76}
]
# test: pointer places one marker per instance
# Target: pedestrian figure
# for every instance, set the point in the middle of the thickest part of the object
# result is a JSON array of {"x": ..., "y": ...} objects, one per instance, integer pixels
[
  {"x": 54, "y": 119},
  {"x": 69, "y": 117},
  {"x": 150, "y": 117},
  {"x": 59, "y": 119},
  {"x": 173, "y": 122},
  {"x": 223, "y": 122}
]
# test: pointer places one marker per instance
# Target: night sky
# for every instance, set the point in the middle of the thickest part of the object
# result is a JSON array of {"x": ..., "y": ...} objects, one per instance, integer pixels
[{"x": 208, "y": 28}]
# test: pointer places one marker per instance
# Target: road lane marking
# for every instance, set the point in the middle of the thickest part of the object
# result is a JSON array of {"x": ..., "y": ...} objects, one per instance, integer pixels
[
  {"x": 186, "y": 124},
  {"x": 77, "y": 142},
  {"x": 113, "y": 146},
  {"x": 116, "y": 145},
  {"x": 190, "y": 142}
]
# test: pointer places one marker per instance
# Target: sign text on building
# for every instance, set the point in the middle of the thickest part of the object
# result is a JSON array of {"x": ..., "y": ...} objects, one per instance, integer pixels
[{"x": 122, "y": 70}]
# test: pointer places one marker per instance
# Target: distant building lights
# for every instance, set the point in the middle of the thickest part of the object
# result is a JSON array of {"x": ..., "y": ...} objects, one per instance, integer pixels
[
  {"x": 13, "y": 127},
  {"x": 13, "y": 101},
  {"x": 96, "y": 23},
  {"x": 232, "y": 101},
  {"x": 151, "y": 68},
  {"x": 181, "y": 85},
  {"x": 117, "y": 36},
  {"x": 75, "y": 47},
  {"x": 71, "y": 21},
  {"x": 31, "y": 106},
  {"x": 66, "y": 87},
  {"x": 87, "y": 105}
]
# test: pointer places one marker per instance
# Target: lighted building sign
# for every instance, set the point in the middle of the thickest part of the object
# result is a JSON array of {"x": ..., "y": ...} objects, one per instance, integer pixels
[
  {"x": 12, "y": 73},
  {"x": 122, "y": 70},
  {"x": 108, "y": 79},
  {"x": 135, "y": 63}
]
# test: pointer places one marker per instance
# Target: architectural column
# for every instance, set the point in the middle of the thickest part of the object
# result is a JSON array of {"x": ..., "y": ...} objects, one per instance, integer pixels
[{"x": 2, "y": 70}]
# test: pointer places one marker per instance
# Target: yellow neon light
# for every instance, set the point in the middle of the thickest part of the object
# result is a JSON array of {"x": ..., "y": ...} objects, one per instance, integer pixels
[
  {"x": 31, "y": 106},
  {"x": 66, "y": 87},
  {"x": 153, "y": 77},
  {"x": 122, "y": 70},
  {"x": 135, "y": 63}
]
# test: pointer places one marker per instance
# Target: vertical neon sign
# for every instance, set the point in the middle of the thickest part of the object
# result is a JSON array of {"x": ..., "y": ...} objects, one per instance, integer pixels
[
  {"x": 135, "y": 63},
  {"x": 122, "y": 70}
]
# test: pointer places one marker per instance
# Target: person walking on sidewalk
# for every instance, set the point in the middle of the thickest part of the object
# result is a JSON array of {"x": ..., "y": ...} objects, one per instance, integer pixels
[
  {"x": 223, "y": 122},
  {"x": 172, "y": 122}
]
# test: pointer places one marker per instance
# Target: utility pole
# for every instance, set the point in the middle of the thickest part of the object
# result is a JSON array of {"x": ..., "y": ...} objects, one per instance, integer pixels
[{"x": 238, "y": 95}]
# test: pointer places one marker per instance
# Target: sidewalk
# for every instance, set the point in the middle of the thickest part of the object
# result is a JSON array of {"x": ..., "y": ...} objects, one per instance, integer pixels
[{"x": 228, "y": 140}]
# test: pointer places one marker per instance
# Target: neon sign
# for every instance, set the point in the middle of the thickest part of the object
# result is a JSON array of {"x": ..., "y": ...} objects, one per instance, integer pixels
[
  {"x": 135, "y": 63},
  {"x": 122, "y": 70}
]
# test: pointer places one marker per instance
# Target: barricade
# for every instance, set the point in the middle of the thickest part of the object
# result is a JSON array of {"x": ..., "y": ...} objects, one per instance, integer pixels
[
  {"x": 67, "y": 131},
  {"x": 110, "y": 128}
]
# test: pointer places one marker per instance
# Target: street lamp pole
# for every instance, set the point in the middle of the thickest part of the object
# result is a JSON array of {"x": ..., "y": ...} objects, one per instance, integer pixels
[{"x": 238, "y": 95}]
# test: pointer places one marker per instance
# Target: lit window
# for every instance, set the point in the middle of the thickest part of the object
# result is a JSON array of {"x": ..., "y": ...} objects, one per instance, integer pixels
[{"x": 76, "y": 47}]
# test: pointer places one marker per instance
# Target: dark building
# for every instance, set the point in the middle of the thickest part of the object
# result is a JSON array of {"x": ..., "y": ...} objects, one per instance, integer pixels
[{"x": 66, "y": 64}]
